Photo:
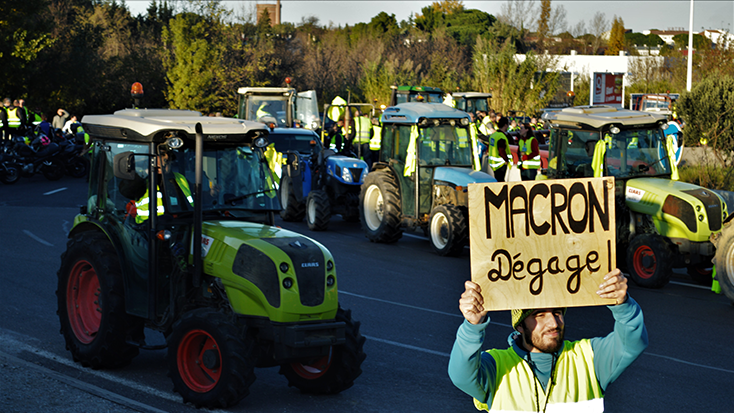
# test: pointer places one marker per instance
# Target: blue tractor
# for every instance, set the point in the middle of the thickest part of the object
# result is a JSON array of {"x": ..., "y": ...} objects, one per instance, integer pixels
[
  {"x": 315, "y": 182},
  {"x": 428, "y": 156}
]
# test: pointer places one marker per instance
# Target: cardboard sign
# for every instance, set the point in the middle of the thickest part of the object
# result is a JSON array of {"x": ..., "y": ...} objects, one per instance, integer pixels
[{"x": 542, "y": 244}]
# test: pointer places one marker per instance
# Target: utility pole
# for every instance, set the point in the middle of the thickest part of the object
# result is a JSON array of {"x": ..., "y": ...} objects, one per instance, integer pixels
[{"x": 689, "y": 73}]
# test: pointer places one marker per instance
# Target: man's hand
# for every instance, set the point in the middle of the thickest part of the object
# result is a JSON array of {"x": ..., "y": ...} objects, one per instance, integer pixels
[
  {"x": 614, "y": 287},
  {"x": 471, "y": 303}
]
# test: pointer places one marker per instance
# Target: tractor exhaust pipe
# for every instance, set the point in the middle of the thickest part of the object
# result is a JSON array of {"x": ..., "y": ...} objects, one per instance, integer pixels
[{"x": 199, "y": 151}]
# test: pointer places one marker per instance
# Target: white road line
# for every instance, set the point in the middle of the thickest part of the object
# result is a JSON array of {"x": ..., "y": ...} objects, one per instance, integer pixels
[
  {"x": 55, "y": 191},
  {"x": 690, "y": 363},
  {"x": 415, "y": 307},
  {"x": 415, "y": 236},
  {"x": 30, "y": 234},
  {"x": 408, "y": 346},
  {"x": 703, "y": 287}
]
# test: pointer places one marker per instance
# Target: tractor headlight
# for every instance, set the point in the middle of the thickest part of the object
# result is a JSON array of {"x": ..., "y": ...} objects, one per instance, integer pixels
[
  {"x": 330, "y": 280},
  {"x": 346, "y": 175}
]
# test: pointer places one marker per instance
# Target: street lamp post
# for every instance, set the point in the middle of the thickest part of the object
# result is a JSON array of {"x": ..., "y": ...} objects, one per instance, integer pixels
[{"x": 689, "y": 72}]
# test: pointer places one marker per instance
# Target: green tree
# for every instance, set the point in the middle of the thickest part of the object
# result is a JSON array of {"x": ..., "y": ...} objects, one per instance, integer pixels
[
  {"x": 188, "y": 62},
  {"x": 708, "y": 110},
  {"x": 700, "y": 42},
  {"x": 514, "y": 85},
  {"x": 616, "y": 37},
  {"x": 545, "y": 11}
]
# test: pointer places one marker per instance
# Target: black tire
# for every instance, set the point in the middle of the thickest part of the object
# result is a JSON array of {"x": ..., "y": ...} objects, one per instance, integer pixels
[
  {"x": 352, "y": 214},
  {"x": 210, "y": 360},
  {"x": 318, "y": 210},
  {"x": 333, "y": 373},
  {"x": 77, "y": 167},
  {"x": 10, "y": 174},
  {"x": 724, "y": 260},
  {"x": 53, "y": 170},
  {"x": 91, "y": 304},
  {"x": 701, "y": 274},
  {"x": 649, "y": 260},
  {"x": 448, "y": 230},
  {"x": 380, "y": 208},
  {"x": 293, "y": 211}
]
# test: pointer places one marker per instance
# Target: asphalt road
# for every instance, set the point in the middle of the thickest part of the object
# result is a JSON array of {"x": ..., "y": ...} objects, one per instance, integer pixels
[{"x": 406, "y": 299}]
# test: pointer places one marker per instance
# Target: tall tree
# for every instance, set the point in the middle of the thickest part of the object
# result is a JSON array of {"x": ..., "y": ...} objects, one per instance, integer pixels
[
  {"x": 545, "y": 11},
  {"x": 517, "y": 13},
  {"x": 616, "y": 37},
  {"x": 597, "y": 27}
]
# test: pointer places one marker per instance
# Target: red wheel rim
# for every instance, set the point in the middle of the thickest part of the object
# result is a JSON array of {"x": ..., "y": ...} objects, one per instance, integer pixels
[
  {"x": 641, "y": 253},
  {"x": 83, "y": 301},
  {"x": 314, "y": 370},
  {"x": 199, "y": 361}
]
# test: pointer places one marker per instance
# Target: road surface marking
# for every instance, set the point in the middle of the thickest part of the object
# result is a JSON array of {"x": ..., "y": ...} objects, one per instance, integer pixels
[
  {"x": 55, "y": 191},
  {"x": 30, "y": 234},
  {"x": 408, "y": 346}
]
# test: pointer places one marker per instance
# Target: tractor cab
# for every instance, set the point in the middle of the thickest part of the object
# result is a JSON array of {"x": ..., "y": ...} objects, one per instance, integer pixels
[
  {"x": 662, "y": 223},
  {"x": 428, "y": 156},
  {"x": 281, "y": 107},
  {"x": 473, "y": 102},
  {"x": 421, "y": 94}
]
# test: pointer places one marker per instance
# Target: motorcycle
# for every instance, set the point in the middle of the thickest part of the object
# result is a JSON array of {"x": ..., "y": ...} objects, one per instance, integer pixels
[
  {"x": 9, "y": 170},
  {"x": 41, "y": 155}
]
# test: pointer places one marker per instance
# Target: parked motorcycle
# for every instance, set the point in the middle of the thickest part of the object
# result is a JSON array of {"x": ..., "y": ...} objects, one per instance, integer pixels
[
  {"x": 9, "y": 170},
  {"x": 41, "y": 155}
]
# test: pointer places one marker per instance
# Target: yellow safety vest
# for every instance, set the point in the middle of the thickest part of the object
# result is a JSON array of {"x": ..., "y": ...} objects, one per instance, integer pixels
[
  {"x": 337, "y": 109},
  {"x": 275, "y": 161},
  {"x": 576, "y": 387},
  {"x": 142, "y": 205},
  {"x": 495, "y": 160},
  {"x": 526, "y": 147},
  {"x": 410, "y": 158},
  {"x": 261, "y": 112},
  {"x": 376, "y": 140},
  {"x": 671, "y": 156},
  {"x": 363, "y": 127},
  {"x": 476, "y": 163},
  {"x": 13, "y": 118},
  {"x": 486, "y": 126}
]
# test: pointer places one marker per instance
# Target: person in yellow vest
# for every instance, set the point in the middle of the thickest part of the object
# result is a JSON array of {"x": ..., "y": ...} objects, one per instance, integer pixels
[
  {"x": 529, "y": 153},
  {"x": 540, "y": 371},
  {"x": 376, "y": 140},
  {"x": 176, "y": 187},
  {"x": 498, "y": 156},
  {"x": 13, "y": 119},
  {"x": 362, "y": 135}
]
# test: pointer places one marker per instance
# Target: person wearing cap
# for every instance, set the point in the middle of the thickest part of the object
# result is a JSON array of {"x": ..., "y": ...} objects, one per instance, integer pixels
[{"x": 540, "y": 371}]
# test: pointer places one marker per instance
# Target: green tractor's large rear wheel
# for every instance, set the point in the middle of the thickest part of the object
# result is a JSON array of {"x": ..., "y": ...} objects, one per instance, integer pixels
[
  {"x": 649, "y": 260},
  {"x": 334, "y": 372},
  {"x": 210, "y": 359},
  {"x": 91, "y": 304},
  {"x": 448, "y": 230},
  {"x": 293, "y": 210},
  {"x": 379, "y": 207},
  {"x": 724, "y": 261}
]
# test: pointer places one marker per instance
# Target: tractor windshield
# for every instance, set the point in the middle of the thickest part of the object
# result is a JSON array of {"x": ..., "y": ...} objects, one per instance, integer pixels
[
  {"x": 233, "y": 178},
  {"x": 444, "y": 144},
  {"x": 265, "y": 109},
  {"x": 627, "y": 154}
]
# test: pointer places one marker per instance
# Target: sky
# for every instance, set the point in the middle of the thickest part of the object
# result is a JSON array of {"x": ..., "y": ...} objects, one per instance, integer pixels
[{"x": 637, "y": 15}]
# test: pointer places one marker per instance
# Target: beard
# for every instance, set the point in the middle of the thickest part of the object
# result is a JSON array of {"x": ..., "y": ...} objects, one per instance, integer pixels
[{"x": 543, "y": 342}]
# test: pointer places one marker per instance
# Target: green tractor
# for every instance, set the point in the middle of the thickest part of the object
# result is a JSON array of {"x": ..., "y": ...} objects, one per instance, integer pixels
[
  {"x": 428, "y": 157},
  {"x": 661, "y": 223},
  {"x": 227, "y": 289}
]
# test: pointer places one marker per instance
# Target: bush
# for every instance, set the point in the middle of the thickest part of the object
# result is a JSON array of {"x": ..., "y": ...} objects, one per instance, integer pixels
[{"x": 708, "y": 176}]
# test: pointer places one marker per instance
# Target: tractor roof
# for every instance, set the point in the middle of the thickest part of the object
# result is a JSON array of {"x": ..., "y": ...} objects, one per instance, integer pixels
[
  {"x": 599, "y": 116},
  {"x": 147, "y": 125},
  {"x": 471, "y": 95},
  {"x": 430, "y": 89},
  {"x": 412, "y": 112},
  {"x": 283, "y": 91}
]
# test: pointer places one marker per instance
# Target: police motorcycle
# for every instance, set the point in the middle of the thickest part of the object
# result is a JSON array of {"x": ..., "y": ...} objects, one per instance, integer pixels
[{"x": 40, "y": 154}]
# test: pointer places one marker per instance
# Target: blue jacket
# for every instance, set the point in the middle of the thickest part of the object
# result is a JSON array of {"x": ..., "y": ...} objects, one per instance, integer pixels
[{"x": 473, "y": 371}]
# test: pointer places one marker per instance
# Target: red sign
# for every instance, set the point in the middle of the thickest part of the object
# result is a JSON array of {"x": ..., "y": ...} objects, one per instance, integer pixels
[{"x": 607, "y": 89}]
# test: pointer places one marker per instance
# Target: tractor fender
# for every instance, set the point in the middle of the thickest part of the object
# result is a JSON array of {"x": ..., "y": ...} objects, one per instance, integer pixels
[{"x": 357, "y": 169}]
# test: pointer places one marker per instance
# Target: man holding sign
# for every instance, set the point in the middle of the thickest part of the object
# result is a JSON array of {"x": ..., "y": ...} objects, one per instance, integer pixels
[{"x": 543, "y": 248}]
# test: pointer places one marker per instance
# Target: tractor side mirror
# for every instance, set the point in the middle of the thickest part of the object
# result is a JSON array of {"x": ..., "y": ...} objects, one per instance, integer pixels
[{"x": 123, "y": 165}]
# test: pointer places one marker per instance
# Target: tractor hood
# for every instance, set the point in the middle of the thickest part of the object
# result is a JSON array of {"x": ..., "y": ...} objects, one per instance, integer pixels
[
  {"x": 271, "y": 272},
  {"x": 461, "y": 176},
  {"x": 679, "y": 209},
  {"x": 350, "y": 171}
]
